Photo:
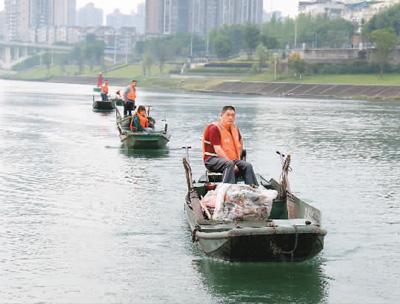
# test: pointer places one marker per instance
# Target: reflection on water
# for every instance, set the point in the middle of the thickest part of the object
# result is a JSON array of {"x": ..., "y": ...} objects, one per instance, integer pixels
[
  {"x": 85, "y": 221},
  {"x": 144, "y": 153},
  {"x": 264, "y": 282}
]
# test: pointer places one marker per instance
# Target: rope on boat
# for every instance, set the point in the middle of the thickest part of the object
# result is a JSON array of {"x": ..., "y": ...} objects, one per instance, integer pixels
[
  {"x": 277, "y": 250},
  {"x": 194, "y": 236}
]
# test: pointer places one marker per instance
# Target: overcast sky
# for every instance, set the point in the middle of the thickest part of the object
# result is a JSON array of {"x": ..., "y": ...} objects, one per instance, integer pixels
[{"x": 288, "y": 7}]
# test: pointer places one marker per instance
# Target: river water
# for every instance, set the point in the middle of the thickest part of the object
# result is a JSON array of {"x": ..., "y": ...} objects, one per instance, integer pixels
[{"x": 84, "y": 221}]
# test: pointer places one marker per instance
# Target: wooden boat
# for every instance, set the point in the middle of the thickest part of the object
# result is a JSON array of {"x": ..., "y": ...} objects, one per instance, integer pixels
[
  {"x": 140, "y": 140},
  {"x": 292, "y": 231},
  {"x": 103, "y": 106},
  {"x": 119, "y": 102}
]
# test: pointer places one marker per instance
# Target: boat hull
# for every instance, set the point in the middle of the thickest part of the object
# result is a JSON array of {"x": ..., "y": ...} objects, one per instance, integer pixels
[
  {"x": 141, "y": 140},
  {"x": 103, "y": 106},
  {"x": 264, "y": 247},
  {"x": 271, "y": 242},
  {"x": 288, "y": 234},
  {"x": 119, "y": 102}
]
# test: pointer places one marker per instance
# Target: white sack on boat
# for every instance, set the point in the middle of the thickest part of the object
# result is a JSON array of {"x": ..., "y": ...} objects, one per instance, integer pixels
[{"x": 242, "y": 202}]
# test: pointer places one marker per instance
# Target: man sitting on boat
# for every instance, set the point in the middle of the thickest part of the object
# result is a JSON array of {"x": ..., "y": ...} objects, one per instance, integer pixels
[
  {"x": 222, "y": 148},
  {"x": 130, "y": 98},
  {"x": 140, "y": 121},
  {"x": 104, "y": 91}
]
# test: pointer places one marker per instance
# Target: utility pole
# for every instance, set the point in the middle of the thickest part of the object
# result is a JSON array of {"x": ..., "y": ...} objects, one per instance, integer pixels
[
  {"x": 191, "y": 38},
  {"x": 115, "y": 48},
  {"x": 208, "y": 45}
]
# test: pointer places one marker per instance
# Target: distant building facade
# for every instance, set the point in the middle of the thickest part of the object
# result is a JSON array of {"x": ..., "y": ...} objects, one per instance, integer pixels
[
  {"x": 90, "y": 15},
  {"x": 139, "y": 18},
  {"x": 356, "y": 11},
  {"x": 16, "y": 19},
  {"x": 117, "y": 20},
  {"x": 154, "y": 17},
  {"x": 2, "y": 24},
  {"x": 199, "y": 16},
  {"x": 41, "y": 13},
  {"x": 64, "y": 12}
]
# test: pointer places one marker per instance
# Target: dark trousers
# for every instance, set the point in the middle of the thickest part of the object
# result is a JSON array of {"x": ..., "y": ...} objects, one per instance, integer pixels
[
  {"x": 227, "y": 167},
  {"x": 129, "y": 106},
  {"x": 104, "y": 97}
]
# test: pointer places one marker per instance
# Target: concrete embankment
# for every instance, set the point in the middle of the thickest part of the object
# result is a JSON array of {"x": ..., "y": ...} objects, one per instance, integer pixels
[{"x": 340, "y": 91}]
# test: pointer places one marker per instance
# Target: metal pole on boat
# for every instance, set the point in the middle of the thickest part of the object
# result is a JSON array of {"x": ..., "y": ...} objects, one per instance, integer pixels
[{"x": 187, "y": 148}]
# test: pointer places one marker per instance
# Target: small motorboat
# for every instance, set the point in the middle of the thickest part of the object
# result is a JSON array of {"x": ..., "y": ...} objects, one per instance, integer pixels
[
  {"x": 141, "y": 140},
  {"x": 103, "y": 106},
  {"x": 291, "y": 232},
  {"x": 118, "y": 101}
]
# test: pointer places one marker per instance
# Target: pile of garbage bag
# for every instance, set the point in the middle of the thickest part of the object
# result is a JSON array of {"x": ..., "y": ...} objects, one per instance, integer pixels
[{"x": 232, "y": 202}]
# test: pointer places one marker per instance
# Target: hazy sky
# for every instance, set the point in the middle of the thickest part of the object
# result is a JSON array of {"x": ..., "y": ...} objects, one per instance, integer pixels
[{"x": 289, "y": 7}]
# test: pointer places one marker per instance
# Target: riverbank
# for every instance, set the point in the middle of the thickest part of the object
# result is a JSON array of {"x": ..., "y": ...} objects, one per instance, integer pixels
[
  {"x": 229, "y": 85},
  {"x": 333, "y": 91}
]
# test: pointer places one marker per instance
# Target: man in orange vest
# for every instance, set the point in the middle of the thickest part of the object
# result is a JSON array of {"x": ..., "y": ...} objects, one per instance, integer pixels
[
  {"x": 222, "y": 149},
  {"x": 104, "y": 91},
  {"x": 130, "y": 98}
]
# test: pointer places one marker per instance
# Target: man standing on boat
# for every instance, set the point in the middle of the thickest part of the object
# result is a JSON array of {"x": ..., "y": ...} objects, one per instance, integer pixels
[
  {"x": 100, "y": 80},
  {"x": 104, "y": 91},
  {"x": 222, "y": 148},
  {"x": 130, "y": 98}
]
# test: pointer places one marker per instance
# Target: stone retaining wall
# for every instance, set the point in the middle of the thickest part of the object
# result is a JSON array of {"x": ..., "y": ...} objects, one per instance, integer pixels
[{"x": 341, "y": 91}]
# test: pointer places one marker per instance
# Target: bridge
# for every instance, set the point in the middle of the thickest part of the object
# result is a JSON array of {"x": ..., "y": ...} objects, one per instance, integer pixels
[{"x": 14, "y": 52}]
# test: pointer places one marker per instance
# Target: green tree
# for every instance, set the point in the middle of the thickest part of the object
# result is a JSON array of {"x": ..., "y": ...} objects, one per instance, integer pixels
[
  {"x": 297, "y": 65},
  {"x": 223, "y": 46},
  {"x": 385, "y": 41},
  {"x": 262, "y": 56},
  {"x": 161, "y": 51},
  {"x": 147, "y": 63},
  {"x": 251, "y": 38},
  {"x": 388, "y": 18}
]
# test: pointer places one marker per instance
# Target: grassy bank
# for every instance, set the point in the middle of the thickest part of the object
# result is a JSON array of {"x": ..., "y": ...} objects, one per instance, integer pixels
[
  {"x": 155, "y": 78},
  {"x": 353, "y": 79}
]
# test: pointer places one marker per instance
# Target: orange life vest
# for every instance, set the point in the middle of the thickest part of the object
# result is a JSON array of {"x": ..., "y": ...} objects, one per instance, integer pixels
[
  {"x": 230, "y": 141},
  {"x": 132, "y": 93},
  {"x": 143, "y": 120},
  {"x": 104, "y": 89}
]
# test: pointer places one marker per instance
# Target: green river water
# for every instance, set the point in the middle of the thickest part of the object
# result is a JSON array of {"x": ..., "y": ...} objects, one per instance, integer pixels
[{"x": 84, "y": 221}]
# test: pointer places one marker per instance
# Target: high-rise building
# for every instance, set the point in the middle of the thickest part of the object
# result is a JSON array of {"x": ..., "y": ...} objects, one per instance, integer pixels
[
  {"x": 199, "y": 16},
  {"x": 211, "y": 14},
  {"x": 204, "y": 15},
  {"x": 139, "y": 18},
  {"x": 64, "y": 12},
  {"x": 2, "y": 24},
  {"x": 176, "y": 16},
  {"x": 117, "y": 20},
  {"x": 241, "y": 11},
  {"x": 89, "y": 15},
  {"x": 16, "y": 20},
  {"x": 41, "y": 13},
  {"x": 154, "y": 17}
]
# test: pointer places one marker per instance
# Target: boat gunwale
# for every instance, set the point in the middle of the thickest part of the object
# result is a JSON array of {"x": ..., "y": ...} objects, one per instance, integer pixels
[{"x": 251, "y": 231}]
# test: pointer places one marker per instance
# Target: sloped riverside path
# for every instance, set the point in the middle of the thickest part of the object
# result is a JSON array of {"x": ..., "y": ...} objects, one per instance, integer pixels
[{"x": 282, "y": 89}]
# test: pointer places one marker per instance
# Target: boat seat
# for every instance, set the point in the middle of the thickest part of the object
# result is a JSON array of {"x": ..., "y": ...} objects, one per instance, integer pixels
[{"x": 214, "y": 177}]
